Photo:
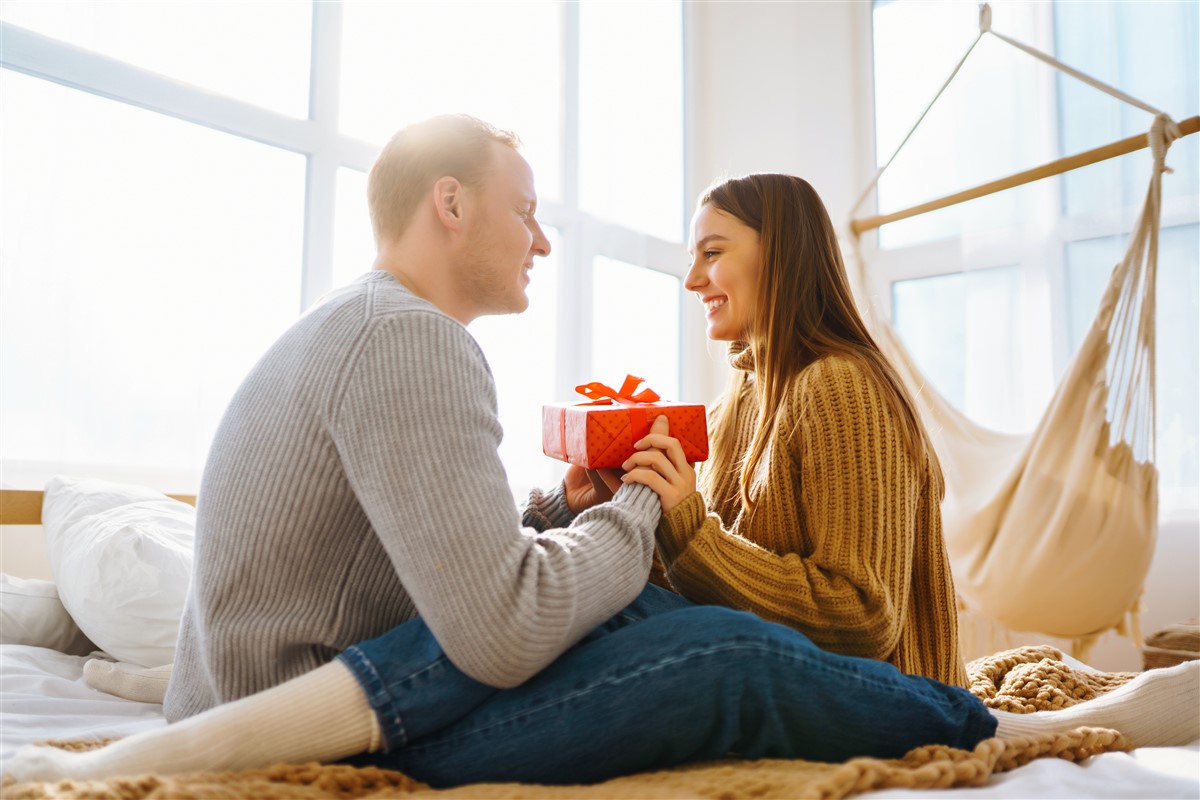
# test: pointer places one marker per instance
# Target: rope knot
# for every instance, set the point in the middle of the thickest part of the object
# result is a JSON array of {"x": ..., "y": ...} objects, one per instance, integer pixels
[
  {"x": 985, "y": 18},
  {"x": 1163, "y": 131}
]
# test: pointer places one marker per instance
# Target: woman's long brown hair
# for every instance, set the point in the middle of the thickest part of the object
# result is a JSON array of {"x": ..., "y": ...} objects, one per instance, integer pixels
[{"x": 805, "y": 311}]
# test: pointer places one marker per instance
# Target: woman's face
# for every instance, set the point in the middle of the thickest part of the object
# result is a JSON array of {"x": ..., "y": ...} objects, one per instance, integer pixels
[{"x": 726, "y": 263}]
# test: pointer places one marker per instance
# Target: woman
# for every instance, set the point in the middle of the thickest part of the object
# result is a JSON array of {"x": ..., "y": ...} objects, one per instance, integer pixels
[
  {"x": 820, "y": 505},
  {"x": 820, "y": 508}
]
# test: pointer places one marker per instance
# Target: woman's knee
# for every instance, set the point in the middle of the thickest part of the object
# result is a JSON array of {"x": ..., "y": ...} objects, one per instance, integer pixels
[{"x": 745, "y": 637}]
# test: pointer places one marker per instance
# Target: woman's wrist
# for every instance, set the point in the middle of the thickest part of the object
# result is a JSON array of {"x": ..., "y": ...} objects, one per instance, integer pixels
[{"x": 679, "y": 526}]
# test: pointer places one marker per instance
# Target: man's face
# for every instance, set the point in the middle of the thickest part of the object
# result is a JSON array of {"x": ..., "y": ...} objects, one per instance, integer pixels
[{"x": 503, "y": 236}]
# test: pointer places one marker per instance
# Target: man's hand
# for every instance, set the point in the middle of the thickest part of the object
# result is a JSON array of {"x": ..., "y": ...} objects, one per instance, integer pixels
[
  {"x": 584, "y": 488},
  {"x": 660, "y": 465}
]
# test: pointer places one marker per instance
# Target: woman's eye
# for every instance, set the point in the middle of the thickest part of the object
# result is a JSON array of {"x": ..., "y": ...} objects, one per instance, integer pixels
[{"x": 710, "y": 254}]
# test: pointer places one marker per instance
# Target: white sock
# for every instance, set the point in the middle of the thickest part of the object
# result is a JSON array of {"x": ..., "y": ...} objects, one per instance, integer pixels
[
  {"x": 320, "y": 716},
  {"x": 1158, "y": 708},
  {"x": 144, "y": 684}
]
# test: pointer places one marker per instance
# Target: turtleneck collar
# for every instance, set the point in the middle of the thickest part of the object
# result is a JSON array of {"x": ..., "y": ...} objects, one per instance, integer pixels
[{"x": 741, "y": 356}]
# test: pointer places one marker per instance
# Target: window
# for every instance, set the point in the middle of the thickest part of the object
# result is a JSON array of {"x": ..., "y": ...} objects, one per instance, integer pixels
[
  {"x": 631, "y": 116},
  {"x": 636, "y": 320},
  {"x": 264, "y": 48},
  {"x": 945, "y": 317},
  {"x": 167, "y": 214},
  {"x": 993, "y": 296},
  {"x": 131, "y": 308}
]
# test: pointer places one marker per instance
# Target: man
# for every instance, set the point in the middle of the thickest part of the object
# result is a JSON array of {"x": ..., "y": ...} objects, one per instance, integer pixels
[{"x": 354, "y": 484}]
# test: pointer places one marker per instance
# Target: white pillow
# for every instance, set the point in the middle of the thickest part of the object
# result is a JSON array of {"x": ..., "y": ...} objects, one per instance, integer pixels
[
  {"x": 32, "y": 614},
  {"x": 121, "y": 557}
]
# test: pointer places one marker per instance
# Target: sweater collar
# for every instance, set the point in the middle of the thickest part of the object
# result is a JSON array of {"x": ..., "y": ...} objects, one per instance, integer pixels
[{"x": 741, "y": 356}]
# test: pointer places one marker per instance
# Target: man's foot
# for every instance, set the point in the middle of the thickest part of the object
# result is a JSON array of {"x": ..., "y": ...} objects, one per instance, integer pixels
[{"x": 321, "y": 716}]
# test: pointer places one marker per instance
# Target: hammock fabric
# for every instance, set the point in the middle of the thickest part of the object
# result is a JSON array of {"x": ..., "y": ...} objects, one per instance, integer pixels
[{"x": 1053, "y": 532}]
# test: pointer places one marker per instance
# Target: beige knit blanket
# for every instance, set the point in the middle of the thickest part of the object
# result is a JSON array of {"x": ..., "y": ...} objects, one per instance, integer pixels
[{"x": 1022, "y": 680}]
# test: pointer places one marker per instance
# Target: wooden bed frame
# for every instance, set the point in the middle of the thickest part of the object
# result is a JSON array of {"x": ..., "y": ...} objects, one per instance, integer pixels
[{"x": 24, "y": 506}]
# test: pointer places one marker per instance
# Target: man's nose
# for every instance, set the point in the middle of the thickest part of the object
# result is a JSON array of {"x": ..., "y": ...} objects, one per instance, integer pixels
[{"x": 541, "y": 244}]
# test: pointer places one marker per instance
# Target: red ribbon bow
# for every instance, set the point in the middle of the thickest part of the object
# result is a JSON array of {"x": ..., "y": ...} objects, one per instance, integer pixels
[{"x": 602, "y": 395}]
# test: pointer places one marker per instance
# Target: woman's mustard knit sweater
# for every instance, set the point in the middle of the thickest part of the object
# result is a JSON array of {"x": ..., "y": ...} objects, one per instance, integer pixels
[{"x": 845, "y": 540}]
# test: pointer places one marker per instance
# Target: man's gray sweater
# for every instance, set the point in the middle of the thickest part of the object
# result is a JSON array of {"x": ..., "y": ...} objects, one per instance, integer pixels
[{"x": 354, "y": 483}]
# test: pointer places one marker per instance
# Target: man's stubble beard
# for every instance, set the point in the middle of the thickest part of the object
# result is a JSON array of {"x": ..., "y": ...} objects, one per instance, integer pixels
[{"x": 492, "y": 289}]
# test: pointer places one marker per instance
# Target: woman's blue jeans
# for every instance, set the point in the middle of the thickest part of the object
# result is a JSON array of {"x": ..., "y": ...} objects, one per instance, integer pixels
[{"x": 662, "y": 683}]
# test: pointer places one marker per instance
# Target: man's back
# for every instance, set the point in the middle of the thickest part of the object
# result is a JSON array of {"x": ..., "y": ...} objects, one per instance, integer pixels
[
  {"x": 356, "y": 468},
  {"x": 278, "y": 513}
]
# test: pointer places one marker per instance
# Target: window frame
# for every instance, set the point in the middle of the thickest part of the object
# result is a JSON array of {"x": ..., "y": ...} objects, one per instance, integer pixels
[{"x": 584, "y": 236}]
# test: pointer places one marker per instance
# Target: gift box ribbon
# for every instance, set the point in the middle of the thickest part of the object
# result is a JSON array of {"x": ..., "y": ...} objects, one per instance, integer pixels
[{"x": 602, "y": 395}]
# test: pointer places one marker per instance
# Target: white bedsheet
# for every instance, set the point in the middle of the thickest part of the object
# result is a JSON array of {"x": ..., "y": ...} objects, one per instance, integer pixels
[
  {"x": 1149, "y": 772},
  {"x": 43, "y": 696}
]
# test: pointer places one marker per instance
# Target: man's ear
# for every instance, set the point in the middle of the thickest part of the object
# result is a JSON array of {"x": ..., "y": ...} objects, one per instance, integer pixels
[{"x": 448, "y": 202}]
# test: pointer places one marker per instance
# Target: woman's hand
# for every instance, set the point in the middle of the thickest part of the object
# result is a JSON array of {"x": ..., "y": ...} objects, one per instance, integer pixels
[
  {"x": 584, "y": 488},
  {"x": 661, "y": 466}
]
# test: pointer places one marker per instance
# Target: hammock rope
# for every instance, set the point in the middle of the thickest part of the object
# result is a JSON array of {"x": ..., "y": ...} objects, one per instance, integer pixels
[{"x": 985, "y": 28}]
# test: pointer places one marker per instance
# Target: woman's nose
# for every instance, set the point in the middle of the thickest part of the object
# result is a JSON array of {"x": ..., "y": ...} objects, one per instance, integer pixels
[{"x": 696, "y": 277}]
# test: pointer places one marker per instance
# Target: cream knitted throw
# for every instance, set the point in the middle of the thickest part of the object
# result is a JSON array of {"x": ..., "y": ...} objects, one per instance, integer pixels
[{"x": 1026, "y": 679}]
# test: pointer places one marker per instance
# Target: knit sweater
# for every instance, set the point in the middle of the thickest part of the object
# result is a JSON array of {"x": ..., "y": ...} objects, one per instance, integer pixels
[
  {"x": 354, "y": 482},
  {"x": 845, "y": 539}
]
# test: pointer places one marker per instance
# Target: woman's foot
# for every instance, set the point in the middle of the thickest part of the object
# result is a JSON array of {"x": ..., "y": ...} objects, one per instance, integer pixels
[{"x": 1158, "y": 708}]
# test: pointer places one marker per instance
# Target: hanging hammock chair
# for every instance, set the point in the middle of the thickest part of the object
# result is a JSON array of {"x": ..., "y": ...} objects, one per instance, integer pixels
[{"x": 1053, "y": 532}]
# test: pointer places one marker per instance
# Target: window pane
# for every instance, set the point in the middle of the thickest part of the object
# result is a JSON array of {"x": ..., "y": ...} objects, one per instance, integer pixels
[
  {"x": 404, "y": 62},
  {"x": 1152, "y": 52},
  {"x": 1089, "y": 264},
  {"x": 962, "y": 331},
  {"x": 148, "y": 263},
  {"x": 631, "y": 115},
  {"x": 635, "y": 326},
  {"x": 353, "y": 241},
  {"x": 977, "y": 131},
  {"x": 522, "y": 349},
  {"x": 256, "y": 52}
]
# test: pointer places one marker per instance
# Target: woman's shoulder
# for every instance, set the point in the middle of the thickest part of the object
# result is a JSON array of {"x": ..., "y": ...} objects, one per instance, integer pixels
[
  {"x": 834, "y": 374},
  {"x": 841, "y": 389}
]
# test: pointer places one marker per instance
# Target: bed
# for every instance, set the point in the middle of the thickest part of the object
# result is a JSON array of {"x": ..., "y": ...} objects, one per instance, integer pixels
[{"x": 44, "y": 695}]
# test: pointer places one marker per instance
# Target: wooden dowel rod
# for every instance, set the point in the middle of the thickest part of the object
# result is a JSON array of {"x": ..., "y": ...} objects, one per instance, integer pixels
[
  {"x": 24, "y": 506},
  {"x": 1132, "y": 144},
  {"x": 19, "y": 507}
]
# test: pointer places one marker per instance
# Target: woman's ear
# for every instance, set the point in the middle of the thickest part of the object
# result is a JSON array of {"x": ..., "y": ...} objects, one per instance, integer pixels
[{"x": 448, "y": 202}]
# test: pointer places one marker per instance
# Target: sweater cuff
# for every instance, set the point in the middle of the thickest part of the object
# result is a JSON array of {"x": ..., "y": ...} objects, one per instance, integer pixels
[
  {"x": 547, "y": 510},
  {"x": 679, "y": 525},
  {"x": 642, "y": 500}
]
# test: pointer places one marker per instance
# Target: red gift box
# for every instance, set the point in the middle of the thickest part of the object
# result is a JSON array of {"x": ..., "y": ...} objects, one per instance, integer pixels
[{"x": 600, "y": 434}]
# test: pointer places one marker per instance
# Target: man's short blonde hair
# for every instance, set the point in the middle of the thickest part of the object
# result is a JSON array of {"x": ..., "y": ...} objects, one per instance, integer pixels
[{"x": 454, "y": 145}]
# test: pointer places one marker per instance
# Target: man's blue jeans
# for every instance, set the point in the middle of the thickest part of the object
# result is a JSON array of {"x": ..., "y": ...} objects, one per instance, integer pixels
[{"x": 664, "y": 682}]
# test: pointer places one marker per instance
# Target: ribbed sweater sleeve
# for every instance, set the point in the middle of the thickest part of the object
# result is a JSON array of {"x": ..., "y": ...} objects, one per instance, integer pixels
[
  {"x": 546, "y": 510},
  {"x": 422, "y": 459},
  {"x": 833, "y": 529}
]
